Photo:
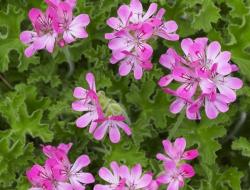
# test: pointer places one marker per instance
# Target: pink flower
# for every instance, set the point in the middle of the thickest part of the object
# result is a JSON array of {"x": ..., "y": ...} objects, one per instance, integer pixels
[
  {"x": 120, "y": 23},
  {"x": 87, "y": 102},
  {"x": 28, "y": 38},
  {"x": 95, "y": 115},
  {"x": 43, "y": 25},
  {"x": 169, "y": 60},
  {"x": 213, "y": 102},
  {"x": 226, "y": 85},
  {"x": 113, "y": 178},
  {"x": 112, "y": 125},
  {"x": 207, "y": 56},
  {"x": 175, "y": 176},
  {"x": 134, "y": 177},
  {"x": 56, "y": 26},
  {"x": 135, "y": 63},
  {"x": 204, "y": 78},
  {"x": 58, "y": 173},
  {"x": 138, "y": 17},
  {"x": 181, "y": 103},
  {"x": 167, "y": 29},
  {"x": 44, "y": 36},
  {"x": 43, "y": 177},
  {"x": 176, "y": 151},
  {"x": 132, "y": 30},
  {"x": 73, "y": 174},
  {"x": 70, "y": 28},
  {"x": 124, "y": 41}
]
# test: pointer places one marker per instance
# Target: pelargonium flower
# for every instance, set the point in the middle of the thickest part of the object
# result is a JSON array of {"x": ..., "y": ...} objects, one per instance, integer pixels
[
  {"x": 97, "y": 115},
  {"x": 135, "y": 179},
  {"x": 122, "y": 178},
  {"x": 70, "y": 28},
  {"x": 112, "y": 177},
  {"x": 134, "y": 63},
  {"x": 176, "y": 151},
  {"x": 204, "y": 75},
  {"x": 58, "y": 173},
  {"x": 132, "y": 31},
  {"x": 56, "y": 26},
  {"x": 176, "y": 170},
  {"x": 174, "y": 176},
  {"x": 44, "y": 36},
  {"x": 112, "y": 125}
]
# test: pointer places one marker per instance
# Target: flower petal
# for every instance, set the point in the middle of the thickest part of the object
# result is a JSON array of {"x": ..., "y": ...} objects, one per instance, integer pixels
[
  {"x": 168, "y": 147},
  {"x": 228, "y": 92},
  {"x": 125, "y": 127},
  {"x": 138, "y": 71},
  {"x": 84, "y": 120},
  {"x": 136, "y": 172},
  {"x": 186, "y": 44},
  {"x": 211, "y": 110},
  {"x": 190, "y": 154},
  {"x": 125, "y": 68},
  {"x": 81, "y": 20},
  {"x": 222, "y": 60},
  {"x": 80, "y": 163},
  {"x": 79, "y": 92},
  {"x": 187, "y": 170},
  {"x": 114, "y": 134},
  {"x": 151, "y": 10},
  {"x": 144, "y": 181},
  {"x": 177, "y": 105},
  {"x": 165, "y": 80},
  {"x": 124, "y": 172},
  {"x": 101, "y": 187},
  {"x": 233, "y": 82},
  {"x": 90, "y": 78},
  {"x": 173, "y": 185},
  {"x": 213, "y": 50},
  {"x": 180, "y": 145},
  {"x": 124, "y": 13},
  {"x": 101, "y": 131}
]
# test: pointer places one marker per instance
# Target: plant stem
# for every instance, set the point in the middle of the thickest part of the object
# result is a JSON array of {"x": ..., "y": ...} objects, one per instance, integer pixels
[
  {"x": 237, "y": 127},
  {"x": 69, "y": 61},
  {"x": 6, "y": 82},
  {"x": 176, "y": 125}
]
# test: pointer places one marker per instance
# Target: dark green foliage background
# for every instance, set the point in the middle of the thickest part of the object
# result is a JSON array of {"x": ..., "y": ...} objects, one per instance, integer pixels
[{"x": 37, "y": 110}]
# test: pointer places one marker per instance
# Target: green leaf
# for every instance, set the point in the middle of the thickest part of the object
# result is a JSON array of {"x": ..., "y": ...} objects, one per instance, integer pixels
[
  {"x": 208, "y": 14},
  {"x": 11, "y": 20},
  {"x": 11, "y": 151},
  {"x": 125, "y": 153},
  {"x": 205, "y": 137},
  {"x": 243, "y": 145},
  {"x": 24, "y": 112}
]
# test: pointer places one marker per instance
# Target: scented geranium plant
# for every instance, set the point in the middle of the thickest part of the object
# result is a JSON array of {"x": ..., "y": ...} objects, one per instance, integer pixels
[{"x": 155, "y": 95}]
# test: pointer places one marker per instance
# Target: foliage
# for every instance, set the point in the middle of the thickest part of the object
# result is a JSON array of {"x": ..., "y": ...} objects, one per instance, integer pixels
[{"x": 37, "y": 109}]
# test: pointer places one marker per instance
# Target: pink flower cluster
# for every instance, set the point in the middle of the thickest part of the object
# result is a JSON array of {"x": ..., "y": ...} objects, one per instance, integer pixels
[
  {"x": 56, "y": 25},
  {"x": 133, "y": 28},
  {"x": 204, "y": 75},
  {"x": 88, "y": 102},
  {"x": 176, "y": 170},
  {"x": 58, "y": 173}
]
